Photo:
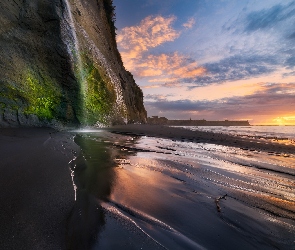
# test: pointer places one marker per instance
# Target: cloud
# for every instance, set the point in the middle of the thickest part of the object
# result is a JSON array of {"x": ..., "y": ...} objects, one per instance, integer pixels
[
  {"x": 151, "y": 86},
  {"x": 150, "y": 33},
  {"x": 173, "y": 67},
  {"x": 136, "y": 42},
  {"x": 189, "y": 24},
  {"x": 173, "y": 70},
  {"x": 290, "y": 62},
  {"x": 176, "y": 69},
  {"x": 237, "y": 67},
  {"x": 172, "y": 85},
  {"x": 150, "y": 72},
  {"x": 273, "y": 100},
  {"x": 289, "y": 74},
  {"x": 157, "y": 97},
  {"x": 163, "y": 80},
  {"x": 268, "y": 18}
]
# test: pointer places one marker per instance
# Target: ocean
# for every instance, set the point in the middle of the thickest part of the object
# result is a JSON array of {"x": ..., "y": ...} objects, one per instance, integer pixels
[
  {"x": 155, "y": 193},
  {"x": 284, "y": 134}
]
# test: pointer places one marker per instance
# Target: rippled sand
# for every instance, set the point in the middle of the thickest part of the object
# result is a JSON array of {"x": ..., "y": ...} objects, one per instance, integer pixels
[{"x": 154, "y": 192}]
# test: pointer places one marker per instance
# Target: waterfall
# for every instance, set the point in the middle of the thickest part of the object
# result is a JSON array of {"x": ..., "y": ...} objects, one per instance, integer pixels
[
  {"x": 99, "y": 58},
  {"x": 69, "y": 35},
  {"x": 69, "y": 29}
]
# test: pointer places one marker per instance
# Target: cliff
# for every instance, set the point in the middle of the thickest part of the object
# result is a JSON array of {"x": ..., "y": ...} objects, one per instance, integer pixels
[{"x": 59, "y": 65}]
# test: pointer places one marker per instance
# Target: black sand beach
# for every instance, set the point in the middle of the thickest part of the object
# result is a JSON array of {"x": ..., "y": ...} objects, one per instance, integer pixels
[
  {"x": 36, "y": 188},
  {"x": 144, "y": 187}
]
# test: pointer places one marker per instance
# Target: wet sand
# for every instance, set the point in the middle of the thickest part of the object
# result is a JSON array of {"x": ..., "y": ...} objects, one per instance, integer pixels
[
  {"x": 181, "y": 134},
  {"x": 36, "y": 189},
  {"x": 144, "y": 187},
  {"x": 167, "y": 194}
]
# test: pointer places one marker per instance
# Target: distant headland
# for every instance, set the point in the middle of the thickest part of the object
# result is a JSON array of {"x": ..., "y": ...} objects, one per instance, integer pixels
[{"x": 164, "y": 121}]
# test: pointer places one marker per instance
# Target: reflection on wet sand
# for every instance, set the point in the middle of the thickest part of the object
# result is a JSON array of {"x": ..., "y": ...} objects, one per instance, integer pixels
[
  {"x": 85, "y": 222},
  {"x": 154, "y": 193},
  {"x": 93, "y": 177}
]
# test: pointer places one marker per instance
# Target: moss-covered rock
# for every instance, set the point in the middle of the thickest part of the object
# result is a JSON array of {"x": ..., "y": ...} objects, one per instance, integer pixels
[
  {"x": 99, "y": 97},
  {"x": 43, "y": 98}
]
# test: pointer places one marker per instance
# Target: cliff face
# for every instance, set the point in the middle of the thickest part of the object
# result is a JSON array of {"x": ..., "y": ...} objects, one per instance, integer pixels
[{"x": 59, "y": 64}]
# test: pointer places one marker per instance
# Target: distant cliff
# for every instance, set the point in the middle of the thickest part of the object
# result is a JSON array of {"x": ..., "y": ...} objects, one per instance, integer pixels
[
  {"x": 59, "y": 65},
  {"x": 164, "y": 121}
]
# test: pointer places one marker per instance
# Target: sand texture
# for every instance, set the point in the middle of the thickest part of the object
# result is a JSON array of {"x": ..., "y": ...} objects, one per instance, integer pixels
[{"x": 36, "y": 188}]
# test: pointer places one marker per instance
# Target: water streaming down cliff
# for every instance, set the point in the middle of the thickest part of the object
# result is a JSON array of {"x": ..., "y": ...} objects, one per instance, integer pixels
[
  {"x": 69, "y": 35},
  {"x": 61, "y": 66}
]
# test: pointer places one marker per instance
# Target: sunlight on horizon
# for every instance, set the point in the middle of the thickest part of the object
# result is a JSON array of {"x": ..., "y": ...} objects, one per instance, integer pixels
[{"x": 285, "y": 120}]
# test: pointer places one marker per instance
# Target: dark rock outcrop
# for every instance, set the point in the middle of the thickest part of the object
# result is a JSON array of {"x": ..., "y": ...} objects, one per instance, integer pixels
[
  {"x": 155, "y": 120},
  {"x": 59, "y": 65}
]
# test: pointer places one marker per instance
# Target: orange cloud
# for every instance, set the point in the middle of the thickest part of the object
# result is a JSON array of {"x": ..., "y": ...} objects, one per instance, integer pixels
[
  {"x": 190, "y": 71},
  {"x": 189, "y": 24},
  {"x": 150, "y": 33},
  {"x": 166, "y": 80},
  {"x": 151, "y": 86},
  {"x": 150, "y": 72},
  {"x": 135, "y": 42},
  {"x": 174, "y": 67}
]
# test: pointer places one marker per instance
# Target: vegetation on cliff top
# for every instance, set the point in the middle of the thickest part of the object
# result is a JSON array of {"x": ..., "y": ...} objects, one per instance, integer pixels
[{"x": 111, "y": 15}]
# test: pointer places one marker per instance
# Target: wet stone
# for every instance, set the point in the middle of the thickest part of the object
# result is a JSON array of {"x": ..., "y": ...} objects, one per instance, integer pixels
[
  {"x": 2, "y": 122},
  {"x": 22, "y": 118},
  {"x": 33, "y": 121},
  {"x": 10, "y": 116}
]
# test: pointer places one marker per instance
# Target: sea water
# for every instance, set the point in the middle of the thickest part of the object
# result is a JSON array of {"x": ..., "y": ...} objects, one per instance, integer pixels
[{"x": 281, "y": 133}]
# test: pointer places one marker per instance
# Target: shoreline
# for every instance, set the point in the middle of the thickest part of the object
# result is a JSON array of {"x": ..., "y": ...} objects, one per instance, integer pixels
[
  {"x": 181, "y": 134},
  {"x": 39, "y": 211},
  {"x": 203, "y": 198}
]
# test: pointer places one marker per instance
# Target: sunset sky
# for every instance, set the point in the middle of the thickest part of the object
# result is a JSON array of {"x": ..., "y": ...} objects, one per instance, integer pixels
[{"x": 211, "y": 59}]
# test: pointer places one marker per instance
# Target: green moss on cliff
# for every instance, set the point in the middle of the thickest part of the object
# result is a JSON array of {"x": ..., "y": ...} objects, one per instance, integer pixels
[
  {"x": 42, "y": 97},
  {"x": 99, "y": 96},
  {"x": 35, "y": 96}
]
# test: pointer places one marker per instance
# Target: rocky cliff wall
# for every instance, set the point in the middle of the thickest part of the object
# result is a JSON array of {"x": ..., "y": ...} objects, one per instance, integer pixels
[{"x": 59, "y": 65}]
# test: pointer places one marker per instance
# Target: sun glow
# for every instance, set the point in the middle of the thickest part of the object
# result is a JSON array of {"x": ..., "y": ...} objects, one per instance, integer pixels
[{"x": 285, "y": 120}]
